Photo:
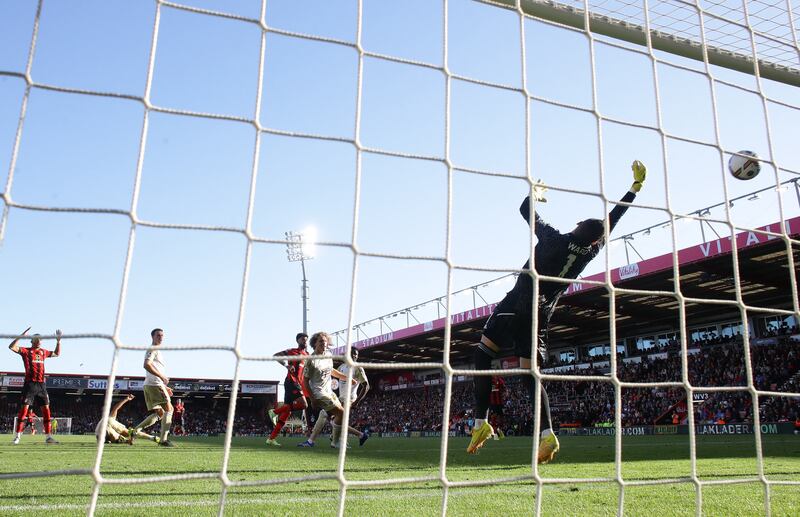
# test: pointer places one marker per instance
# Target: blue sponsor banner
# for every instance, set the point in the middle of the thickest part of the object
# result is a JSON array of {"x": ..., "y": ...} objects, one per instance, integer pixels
[{"x": 66, "y": 383}]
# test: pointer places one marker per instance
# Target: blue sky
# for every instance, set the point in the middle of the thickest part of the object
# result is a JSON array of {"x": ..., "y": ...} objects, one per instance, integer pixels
[{"x": 64, "y": 270}]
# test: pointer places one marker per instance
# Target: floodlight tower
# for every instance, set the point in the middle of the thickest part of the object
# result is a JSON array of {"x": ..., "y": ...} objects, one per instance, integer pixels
[{"x": 299, "y": 248}]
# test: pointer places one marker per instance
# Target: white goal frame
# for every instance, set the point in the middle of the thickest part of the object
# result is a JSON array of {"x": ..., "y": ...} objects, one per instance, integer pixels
[
  {"x": 605, "y": 22},
  {"x": 63, "y": 425}
]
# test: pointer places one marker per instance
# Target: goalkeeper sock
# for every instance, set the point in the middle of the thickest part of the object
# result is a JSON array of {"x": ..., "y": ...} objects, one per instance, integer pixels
[
  {"x": 149, "y": 420},
  {"x": 166, "y": 422},
  {"x": 483, "y": 384},
  {"x": 318, "y": 426}
]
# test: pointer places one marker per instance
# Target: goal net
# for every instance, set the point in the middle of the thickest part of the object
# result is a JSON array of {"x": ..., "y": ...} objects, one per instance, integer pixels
[
  {"x": 58, "y": 425},
  {"x": 514, "y": 91}
]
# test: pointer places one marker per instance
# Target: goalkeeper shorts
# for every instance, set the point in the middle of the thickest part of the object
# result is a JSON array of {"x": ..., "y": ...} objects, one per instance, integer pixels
[{"x": 509, "y": 327}]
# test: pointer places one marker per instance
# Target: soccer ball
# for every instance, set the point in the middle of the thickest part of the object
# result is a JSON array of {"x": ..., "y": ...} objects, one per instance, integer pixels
[{"x": 744, "y": 167}]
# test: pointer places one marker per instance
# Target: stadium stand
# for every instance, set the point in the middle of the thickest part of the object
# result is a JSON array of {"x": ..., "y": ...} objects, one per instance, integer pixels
[
  {"x": 81, "y": 398},
  {"x": 417, "y": 407}
]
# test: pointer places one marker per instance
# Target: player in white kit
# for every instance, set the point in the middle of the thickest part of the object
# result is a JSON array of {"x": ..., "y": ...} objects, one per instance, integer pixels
[{"x": 326, "y": 401}]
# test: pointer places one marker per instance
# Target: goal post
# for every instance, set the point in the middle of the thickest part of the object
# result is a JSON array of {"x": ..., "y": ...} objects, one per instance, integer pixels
[
  {"x": 781, "y": 63},
  {"x": 58, "y": 425}
]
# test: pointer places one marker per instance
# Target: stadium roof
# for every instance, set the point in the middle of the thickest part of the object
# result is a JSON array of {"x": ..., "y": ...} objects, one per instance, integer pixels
[{"x": 582, "y": 317}]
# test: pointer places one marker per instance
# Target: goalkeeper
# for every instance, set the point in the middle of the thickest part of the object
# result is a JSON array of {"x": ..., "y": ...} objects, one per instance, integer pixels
[{"x": 509, "y": 326}]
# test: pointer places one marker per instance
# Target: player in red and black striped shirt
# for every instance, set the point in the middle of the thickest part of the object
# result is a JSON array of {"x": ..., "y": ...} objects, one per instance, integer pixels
[
  {"x": 178, "y": 418},
  {"x": 29, "y": 423},
  {"x": 496, "y": 402},
  {"x": 34, "y": 388},
  {"x": 294, "y": 391}
]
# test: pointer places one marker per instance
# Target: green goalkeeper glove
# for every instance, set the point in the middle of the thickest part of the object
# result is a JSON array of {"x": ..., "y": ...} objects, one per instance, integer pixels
[{"x": 639, "y": 175}]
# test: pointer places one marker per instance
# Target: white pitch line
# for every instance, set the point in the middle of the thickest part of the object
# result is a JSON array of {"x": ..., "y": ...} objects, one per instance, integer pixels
[{"x": 265, "y": 501}]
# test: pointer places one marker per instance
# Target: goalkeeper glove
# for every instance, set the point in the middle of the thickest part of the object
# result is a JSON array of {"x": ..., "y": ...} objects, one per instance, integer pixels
[
  {"x": 539, "y": 190},
  {"x": 639, "y": 175}
]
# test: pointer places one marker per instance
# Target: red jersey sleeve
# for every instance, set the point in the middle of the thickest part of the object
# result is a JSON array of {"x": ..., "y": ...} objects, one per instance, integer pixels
[
  {"x": 24, "y": 351},
  {"x": 47, "y": 353}
]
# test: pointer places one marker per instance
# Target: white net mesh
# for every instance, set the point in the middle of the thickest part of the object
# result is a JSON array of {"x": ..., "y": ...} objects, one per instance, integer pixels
[{"x": 753, "y": 32}]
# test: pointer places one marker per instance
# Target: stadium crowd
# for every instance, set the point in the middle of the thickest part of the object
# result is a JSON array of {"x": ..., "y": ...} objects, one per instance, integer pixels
[
  {"x": 203, "y": 417},
  {"x": 715, "y": 361},
  {"x": 718, "y": 362}
]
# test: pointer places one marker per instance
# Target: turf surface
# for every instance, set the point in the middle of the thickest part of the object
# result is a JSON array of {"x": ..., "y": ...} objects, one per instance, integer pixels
[{"x": 644, "y": 458}]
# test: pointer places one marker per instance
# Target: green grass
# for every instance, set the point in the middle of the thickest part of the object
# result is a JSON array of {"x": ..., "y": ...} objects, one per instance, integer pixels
[{"x": 644, "y": 458}]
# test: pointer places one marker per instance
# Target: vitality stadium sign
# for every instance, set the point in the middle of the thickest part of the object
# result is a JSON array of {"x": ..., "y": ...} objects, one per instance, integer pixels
[{"x": 695, "y": 253}]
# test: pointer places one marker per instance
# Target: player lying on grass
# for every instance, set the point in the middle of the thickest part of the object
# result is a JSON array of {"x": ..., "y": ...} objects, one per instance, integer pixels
[
  {"x": 115, "y": 431},
  {"x": 157, "y": 393},
  {"x": 34, "y": 388},
  {"x": 294, "y": 394},
  {"x": 563, "y": 255},
  {"x": 357, "y": 393},
  {"x": 317, "y": 375}
]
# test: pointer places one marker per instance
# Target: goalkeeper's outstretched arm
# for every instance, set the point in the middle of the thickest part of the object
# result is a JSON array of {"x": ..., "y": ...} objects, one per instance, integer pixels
[
  {"x": 542, "y": 229},
  {"x": 639, "y": 175}
]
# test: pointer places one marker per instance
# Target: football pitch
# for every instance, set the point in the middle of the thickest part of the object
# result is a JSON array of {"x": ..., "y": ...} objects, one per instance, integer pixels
[{"x": 645, "y": 458}]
